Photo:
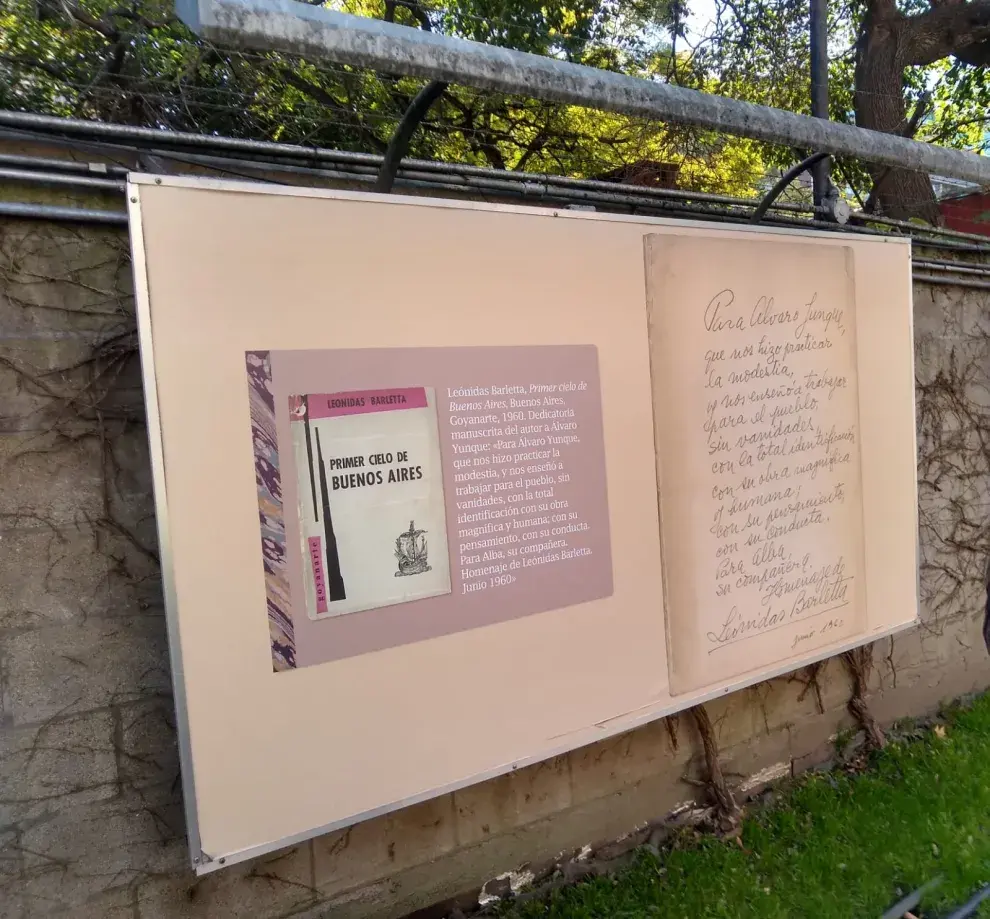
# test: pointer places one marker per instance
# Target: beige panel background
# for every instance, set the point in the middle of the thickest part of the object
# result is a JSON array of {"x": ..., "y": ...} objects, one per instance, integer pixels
[{"x": 236, "y": 268}]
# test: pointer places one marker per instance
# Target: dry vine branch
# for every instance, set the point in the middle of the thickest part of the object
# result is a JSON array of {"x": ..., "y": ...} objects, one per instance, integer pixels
[
  {"x": 953, "y": 409},
  {"x": 809, "y": 679},
  {"x": 727, "y": 811},
  {"x": 859, "y": 663},
  {"x": 88, "y": 397}
]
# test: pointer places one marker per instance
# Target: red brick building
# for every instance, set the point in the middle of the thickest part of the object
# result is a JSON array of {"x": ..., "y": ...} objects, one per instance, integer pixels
[{"x": 969, "y": 213}]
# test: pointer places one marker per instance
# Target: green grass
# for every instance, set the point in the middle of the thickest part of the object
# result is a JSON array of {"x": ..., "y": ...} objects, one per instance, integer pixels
[{"x": 831, "y": 845}]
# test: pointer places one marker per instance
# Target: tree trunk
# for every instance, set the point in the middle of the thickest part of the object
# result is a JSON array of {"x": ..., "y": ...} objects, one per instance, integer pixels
[{"x": 880, "y": 106}]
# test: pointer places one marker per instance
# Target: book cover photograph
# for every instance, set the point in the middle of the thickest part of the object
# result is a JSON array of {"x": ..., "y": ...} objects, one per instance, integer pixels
[
  {"x": 371, "y": 505},
  {"x": 474, "y": 496}
]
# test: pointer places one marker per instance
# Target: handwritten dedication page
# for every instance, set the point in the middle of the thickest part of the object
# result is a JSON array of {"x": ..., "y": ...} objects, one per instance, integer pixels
[{"x": 753, "y": 355}]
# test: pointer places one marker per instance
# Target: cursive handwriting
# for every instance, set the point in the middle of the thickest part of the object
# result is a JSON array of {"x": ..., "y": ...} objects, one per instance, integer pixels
[{"x": 780, "y": 432}]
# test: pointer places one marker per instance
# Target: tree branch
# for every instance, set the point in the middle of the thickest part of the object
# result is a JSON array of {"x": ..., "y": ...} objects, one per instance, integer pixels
[
  {"x": 849, "y": 181},
  {"x": 908, "y": 130},
  {"x": 111, "y": 67},
  {"x": 535, "y": 146},
  {"x": 106, "y": 29},
  {"x": 881, "y": 9},
  {"x": 954, "y": 30},
  {"x": 918, "y": 115},
  {"x": 56, "y": 72},
  {"x": 149, "y": 24},
  {"x": 945, "y": 131},
  {"x": 413, "y": 7},
  {"x": 319, "y": 94}
]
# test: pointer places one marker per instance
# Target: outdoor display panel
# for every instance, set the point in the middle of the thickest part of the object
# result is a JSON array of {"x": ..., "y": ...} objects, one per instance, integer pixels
[{"x": 419, "y": 463}]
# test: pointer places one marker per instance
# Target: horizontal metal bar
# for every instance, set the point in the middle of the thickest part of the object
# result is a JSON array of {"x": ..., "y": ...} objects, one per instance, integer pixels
[
  {"x": 80, "y": 127},
  {"x": 955, "y": 267},
  {"x": 466, "y": 179},
  {"x": 596, "y": 185},
  {"x": 72, "y": 127},
  {"x": 539, "y": 190},
  {"x": 504, "y": 184},
  {"x": 931, "y": 242},
  {"x": 315, "y": 32},
  {"x": 30, "y": 211},
  {"x": 75, "y": 127},
  {"x": 494, "y": 182},
  {"x": 951, "y": 264},
  {"x": 944, "y": 281},
  {"x": 442, "y": 180},
  {"x": 58, "y": 178},
  {"x": 18, "y": 161},
  {"x": 916, "y": 229},
  {"x": 501, "y": 184}
]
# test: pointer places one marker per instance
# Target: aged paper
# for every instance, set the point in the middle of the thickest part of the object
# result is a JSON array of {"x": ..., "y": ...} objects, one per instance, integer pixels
[
  {"x": 371, "y": 504},
  {"x": 753, "y": 356}
]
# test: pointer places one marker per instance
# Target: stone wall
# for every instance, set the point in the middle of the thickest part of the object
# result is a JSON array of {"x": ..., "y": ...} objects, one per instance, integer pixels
[{"x": 90, "y": 810}]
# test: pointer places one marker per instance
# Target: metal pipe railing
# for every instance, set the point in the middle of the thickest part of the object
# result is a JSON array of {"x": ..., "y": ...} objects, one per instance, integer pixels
[
  {"x": 30, "y": 211},
  {"x": 321, "y": 34},
  {"x": 57, "y": 178},
  {"x": 451, "y": 178},
  {"x": 19, "y": 161},
  {"x": 160, "y": 141}
]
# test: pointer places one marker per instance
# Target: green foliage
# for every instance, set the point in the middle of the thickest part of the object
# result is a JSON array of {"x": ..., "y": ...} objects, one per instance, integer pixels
[
  {"x": 138, "y": 65},
  {"x": 832, "y": 847},
  {"x": 961, "y": 103},
  {"x": 758, "y": 51}
]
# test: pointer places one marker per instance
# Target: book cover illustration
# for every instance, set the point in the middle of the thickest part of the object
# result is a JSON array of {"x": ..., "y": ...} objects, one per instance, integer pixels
[{"x": 371, "y": 506}]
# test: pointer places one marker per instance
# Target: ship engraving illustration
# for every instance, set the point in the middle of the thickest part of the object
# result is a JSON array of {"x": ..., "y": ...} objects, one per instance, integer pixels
[{"x": 411, "y": 552}]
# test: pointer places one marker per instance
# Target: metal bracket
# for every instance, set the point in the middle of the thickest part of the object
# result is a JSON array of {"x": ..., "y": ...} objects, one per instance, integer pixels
[
  {"x": 398, "y": 146},
  {"x": 836, "y": 209}
]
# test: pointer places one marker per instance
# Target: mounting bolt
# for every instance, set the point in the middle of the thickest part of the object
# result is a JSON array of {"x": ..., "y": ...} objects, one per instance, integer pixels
[
  {"x": 158, "y": 181},
  {"x": 223, "y": 861},
  {"x": 133, "y": 199}
]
